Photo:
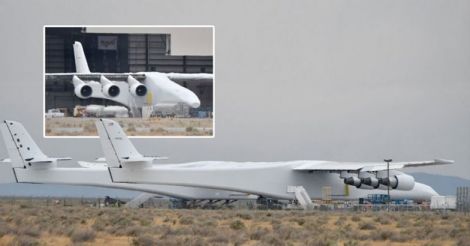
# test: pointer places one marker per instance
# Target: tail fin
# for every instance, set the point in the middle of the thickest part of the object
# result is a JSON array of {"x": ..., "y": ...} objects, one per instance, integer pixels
[
  {"x": 81, "y": 64},
  {"x": 117, "y": 148},
  {"x": 20, "y": 146}
]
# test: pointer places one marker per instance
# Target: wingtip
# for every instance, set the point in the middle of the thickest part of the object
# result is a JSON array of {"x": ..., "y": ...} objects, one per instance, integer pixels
[{"x": 444, "y": 161}]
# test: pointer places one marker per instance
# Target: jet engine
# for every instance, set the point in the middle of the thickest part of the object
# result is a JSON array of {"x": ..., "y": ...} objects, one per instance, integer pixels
[
  {"x": 354, "y": 181},
  {"x": 357, "y": 182},
  {"x": 135, "y": 87},
  {"x": 399, "y": 182},
  {"x": 81, "y": 89},
  {"x": 109, "y": 88},
  {"x": 371, "y": 181}
]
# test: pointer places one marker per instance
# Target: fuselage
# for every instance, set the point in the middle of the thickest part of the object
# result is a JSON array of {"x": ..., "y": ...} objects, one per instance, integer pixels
[{"x": 100, "y": 177}]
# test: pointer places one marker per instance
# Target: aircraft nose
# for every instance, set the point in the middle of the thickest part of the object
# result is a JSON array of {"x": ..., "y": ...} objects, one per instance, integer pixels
[
  {"x": 192, "y": 100},
  {"x": 426, "y": 191},
  {"x": 431, "y": 192},
  {"x": 195, "y": 104},
  {"x": 423, "y": 192}
]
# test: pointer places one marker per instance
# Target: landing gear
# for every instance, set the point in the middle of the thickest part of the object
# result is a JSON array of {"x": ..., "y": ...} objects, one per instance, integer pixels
[{"x": 268, "y": 203}]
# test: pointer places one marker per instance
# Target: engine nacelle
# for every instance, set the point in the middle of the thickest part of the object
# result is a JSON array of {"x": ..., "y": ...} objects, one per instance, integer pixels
[
  {"x": 399, "y": 182},
  {"x": 81, "y": 89},
  {"x": 354, "y": 181},
  {"x": 109, "y": 88},
  {"x": 136, "y": 88},
  {"x": 365, "y": 187},
  {"x": 371, "y": 181},
  {"x": 357, "y": 182}
]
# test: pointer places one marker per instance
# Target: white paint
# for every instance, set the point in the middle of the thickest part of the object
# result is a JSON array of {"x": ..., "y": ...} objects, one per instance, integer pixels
[{"x": 80, "y": 59}]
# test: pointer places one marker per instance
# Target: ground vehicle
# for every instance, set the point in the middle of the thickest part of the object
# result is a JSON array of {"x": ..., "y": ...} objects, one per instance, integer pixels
[{"x": 54, "y": 113}]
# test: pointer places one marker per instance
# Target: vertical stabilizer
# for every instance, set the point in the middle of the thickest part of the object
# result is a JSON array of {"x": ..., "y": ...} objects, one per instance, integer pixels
[
  {"x": 20, "y": 146},
  {"x": 81, "y": 64},
  {"x": 117, "y": 148}
]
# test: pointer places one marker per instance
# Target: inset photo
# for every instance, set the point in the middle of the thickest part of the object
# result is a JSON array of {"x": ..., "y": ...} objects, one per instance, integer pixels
[{"x": 156, "y": 81}]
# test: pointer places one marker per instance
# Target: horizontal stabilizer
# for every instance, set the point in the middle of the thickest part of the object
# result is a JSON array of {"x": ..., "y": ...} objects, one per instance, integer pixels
[
  {"x": 20, "y": 145},
  {"x": 47, "y": 160},
  {"x": 32, "y": 160}
]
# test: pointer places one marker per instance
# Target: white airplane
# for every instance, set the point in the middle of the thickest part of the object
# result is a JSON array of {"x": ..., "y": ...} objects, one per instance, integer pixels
[
  {"x": 133, "y": 90},
  {"x": 28, "y": 164},
  {"x": 279, "y": 180}
]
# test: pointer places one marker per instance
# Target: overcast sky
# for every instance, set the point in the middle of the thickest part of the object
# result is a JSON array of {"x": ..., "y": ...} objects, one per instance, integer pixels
[{"x": 334, "y": 80}]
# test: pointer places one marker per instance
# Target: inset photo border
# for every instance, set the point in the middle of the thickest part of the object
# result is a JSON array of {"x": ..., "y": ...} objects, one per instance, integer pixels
[{"x": 156, "y": 81}]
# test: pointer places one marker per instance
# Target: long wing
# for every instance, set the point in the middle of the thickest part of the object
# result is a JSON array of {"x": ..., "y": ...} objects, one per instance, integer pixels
[
  {"x": 67, "y": 77},
  {"x": 366, "y": 166},
  {"x": 84, "y": 73},
  {"x": 176, "y": 77}
]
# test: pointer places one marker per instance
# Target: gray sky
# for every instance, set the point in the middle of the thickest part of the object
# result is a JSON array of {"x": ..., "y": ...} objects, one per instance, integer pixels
[{"x": 334, "y": 80}]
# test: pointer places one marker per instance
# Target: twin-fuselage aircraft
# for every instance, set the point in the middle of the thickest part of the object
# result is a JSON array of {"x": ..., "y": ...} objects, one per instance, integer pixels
[{"x": 125, "y": 168}]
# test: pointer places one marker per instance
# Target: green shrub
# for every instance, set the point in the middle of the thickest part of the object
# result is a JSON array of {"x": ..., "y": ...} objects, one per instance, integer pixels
[
  {"x": 366, "y": 226},
  {"x": 24, "y": 241},
  {"x": 258, "y": 233},
  {"x": 355, "y": 218},
  {"x": 143, "y": 240},
  {"x": 83, "y": 235},
  {"x": 382, "y": 235},
  {"x": 300, "y": 221},
  {"x": 187, "y": 220},
  {"x": 219, "y": 239},
  {"x": 237, "y": 225},
  {"x": 244, "y": 216}
]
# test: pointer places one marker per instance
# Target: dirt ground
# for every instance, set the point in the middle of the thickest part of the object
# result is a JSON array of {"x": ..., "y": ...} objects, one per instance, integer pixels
[
  {"x": 70, "y": 126},
  {"x": 31, "y": 224}
]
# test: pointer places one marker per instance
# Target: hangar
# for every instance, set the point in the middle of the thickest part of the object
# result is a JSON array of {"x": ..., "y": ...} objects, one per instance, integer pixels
[{"x": 112, "y": 52}]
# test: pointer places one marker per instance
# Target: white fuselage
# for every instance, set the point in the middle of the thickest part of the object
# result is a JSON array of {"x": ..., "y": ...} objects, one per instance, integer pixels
[{"x": 100, "y": 177}]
